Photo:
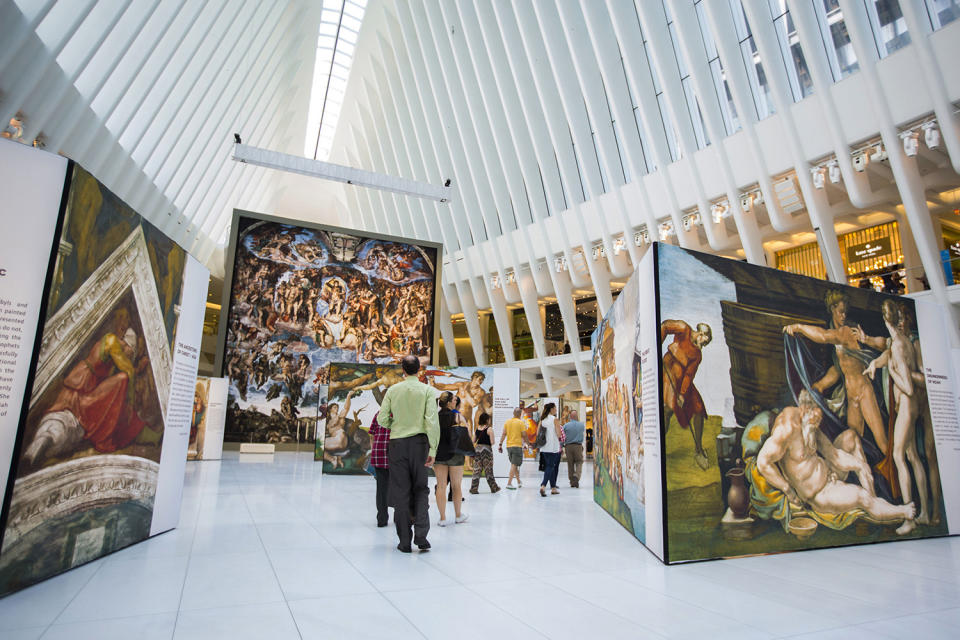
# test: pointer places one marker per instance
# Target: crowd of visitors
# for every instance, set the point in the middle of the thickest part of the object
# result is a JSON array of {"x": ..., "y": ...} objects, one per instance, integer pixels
[{"x": 413, "y": 432}]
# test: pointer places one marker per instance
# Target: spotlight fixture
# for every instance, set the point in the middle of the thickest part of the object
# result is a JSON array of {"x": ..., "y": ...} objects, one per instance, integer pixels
[
  {"x": 817, "y": 174},
  {"x": 720, "y": 210},
  {"x": 757, "y": 197},
  {"x": 495, "y": 282},
  {"x": 931, "y": 135},
  {"x": 560, "y": 264},
  {"x": 746, "y": 201},
  {"x": 879, "y": 153},
  {"x": 860, "y": 161},
  {"x": 641, "y": 238},
  {"x": 911, "y": 142},
  {"x": 599, "y": 252},
  {"x": 511, "y": 277},
  {"x": 833, "y": 170},
  {"x": 618, "y": 245},
  {"x": 690, "y": 221},
  {"x": 666, "y": 230}
]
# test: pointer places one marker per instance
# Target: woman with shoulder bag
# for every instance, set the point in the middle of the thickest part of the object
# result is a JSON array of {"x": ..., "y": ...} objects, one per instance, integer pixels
[
  {"x": 483, "y": 461},
  {"x": 449, "y": 463},
  {"x": 550, "y": 450}
]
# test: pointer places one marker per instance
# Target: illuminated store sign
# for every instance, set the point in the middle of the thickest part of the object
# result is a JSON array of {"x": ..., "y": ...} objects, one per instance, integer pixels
[{"x": 868, "y": 250}]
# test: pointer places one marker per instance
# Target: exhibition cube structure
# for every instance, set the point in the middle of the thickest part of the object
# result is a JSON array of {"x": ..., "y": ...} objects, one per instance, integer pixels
[
  {"x": 101, "y": 317},
  {"x": 742, "y": 410}
]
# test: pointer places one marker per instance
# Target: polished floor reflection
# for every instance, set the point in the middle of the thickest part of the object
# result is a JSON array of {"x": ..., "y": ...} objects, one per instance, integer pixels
[{"x": 267, "y": 548}]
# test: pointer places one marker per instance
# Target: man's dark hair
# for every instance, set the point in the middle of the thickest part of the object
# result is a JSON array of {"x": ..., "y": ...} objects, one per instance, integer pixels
[{"x": 410, "y": 364}]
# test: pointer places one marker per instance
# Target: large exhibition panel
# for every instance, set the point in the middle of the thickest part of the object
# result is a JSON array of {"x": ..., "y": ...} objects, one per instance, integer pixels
[
  {"x": 355, "y": 392},
  {"x": 298, "y": 297},
  {"x": 107, "y": 327},
  {"x": 743, "y": 410}
]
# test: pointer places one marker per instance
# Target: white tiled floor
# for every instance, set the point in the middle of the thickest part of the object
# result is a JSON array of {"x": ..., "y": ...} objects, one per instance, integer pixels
[{"x": 275, "y": 550}]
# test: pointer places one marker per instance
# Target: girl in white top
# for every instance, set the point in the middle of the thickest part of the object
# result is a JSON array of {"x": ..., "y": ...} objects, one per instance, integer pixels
[{"x": 551, "y": 449}]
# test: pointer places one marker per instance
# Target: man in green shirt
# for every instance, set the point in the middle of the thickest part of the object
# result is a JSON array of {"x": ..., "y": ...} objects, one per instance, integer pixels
[{"x": 409, "y": 410}]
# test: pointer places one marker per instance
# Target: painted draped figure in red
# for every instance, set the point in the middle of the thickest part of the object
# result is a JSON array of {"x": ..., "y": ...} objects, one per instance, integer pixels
[{"x": 680, "y": 364}]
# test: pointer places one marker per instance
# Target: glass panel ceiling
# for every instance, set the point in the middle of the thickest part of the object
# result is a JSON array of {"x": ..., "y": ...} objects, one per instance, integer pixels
[{"x": 339, "y": 25}]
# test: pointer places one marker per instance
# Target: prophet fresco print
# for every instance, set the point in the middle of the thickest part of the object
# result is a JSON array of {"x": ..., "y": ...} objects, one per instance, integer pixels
[
  {"x": 87, "y": 473},
  {"x": 198, "y": 419},
  {"x": 795, "y": 412},
  {"x": 305, "y": 297}
]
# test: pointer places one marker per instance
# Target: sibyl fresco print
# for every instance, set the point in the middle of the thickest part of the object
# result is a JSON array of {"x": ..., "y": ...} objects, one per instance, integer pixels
[
  {"x": 303, "y": 297},
  {"x": 87, "y": 474},
  {"x": 795, "y": 412}
]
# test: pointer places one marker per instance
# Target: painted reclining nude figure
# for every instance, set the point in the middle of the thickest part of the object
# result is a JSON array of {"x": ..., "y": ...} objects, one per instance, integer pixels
[{"x": 798, "y": 467}]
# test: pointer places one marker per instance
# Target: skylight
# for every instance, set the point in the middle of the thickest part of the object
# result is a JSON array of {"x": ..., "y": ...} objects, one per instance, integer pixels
[{"x": 339, "y": 27}]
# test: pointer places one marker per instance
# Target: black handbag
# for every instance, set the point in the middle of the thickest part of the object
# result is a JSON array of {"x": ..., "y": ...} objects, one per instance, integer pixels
[{"x": 464, "y": 444}]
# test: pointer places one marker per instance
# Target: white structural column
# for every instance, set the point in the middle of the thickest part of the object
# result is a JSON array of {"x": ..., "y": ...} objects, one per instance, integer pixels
[
  {"x": 637, "y": 67},
  {"x": 725, "y": 36},
  {"x": 855, "y": 183},
  {"x": 654, "y": 24},
  {"x": 934, "y": 76},
  {"x": 818, "y": 207},
  {"x": 905, "y": 171},
  {"x": 691, "y": 42},
  {"x": 560, "y": 134},
  {"x": 532, "y": 146}
]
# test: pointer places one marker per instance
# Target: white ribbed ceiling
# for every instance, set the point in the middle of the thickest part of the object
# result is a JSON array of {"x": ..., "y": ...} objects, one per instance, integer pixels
[{"x": 146, "y": 94}]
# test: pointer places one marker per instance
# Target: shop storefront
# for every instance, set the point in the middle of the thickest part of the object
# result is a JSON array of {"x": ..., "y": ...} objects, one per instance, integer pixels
[{"x": 872, "y": 258}]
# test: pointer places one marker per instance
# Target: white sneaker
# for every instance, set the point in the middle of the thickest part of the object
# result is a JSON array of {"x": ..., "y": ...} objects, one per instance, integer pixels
[
  {"x": 442, "y": 523},
  {"x": 519, "y": 484},
  {"x": 462, "y": 518}
]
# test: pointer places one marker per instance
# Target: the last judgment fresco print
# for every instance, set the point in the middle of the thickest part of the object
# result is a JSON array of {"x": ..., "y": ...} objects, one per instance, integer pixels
[{"x": 304, "y": 297}]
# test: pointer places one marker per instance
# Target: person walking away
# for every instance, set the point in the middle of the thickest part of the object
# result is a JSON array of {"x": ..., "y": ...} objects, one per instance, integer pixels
[
  {"x": 410, "y": 412},
  {"x": 574, "y": 431},
  {"x": 513, "y": 434},
  {"x": 449, "y": 464},
  {"x": 483, "y": 461},
  {"x": 551, "y": 449},
  {"x": 380, "y": 439}
]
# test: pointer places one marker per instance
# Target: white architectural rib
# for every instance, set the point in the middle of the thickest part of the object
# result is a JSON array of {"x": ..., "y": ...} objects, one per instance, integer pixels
[
  {"x": 691, "y": 42},
  {"x": 816, "y": 201}
]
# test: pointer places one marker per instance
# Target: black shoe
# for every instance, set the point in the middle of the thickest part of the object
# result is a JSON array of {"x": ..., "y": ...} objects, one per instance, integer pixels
[
  {"x": 405, "y": 548},
  {"x": 423, "y": 546},
  {"x": 381, "y": 524}
]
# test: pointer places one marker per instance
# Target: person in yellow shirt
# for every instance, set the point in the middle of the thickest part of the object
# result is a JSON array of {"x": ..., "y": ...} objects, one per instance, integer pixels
[
  {"x": 409, "y": 411},
  {"x": 513, "y": 434}
]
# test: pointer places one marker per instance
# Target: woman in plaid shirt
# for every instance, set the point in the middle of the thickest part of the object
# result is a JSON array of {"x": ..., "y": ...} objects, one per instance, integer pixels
[{"x": 379, "y": 438}]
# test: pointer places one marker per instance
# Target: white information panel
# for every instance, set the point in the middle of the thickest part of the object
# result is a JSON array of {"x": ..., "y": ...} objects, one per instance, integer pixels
[
  {"x": 648, "y": 344},
  {"x": 506, "y": 398},
  {"x": 33, "y": 205},
  {"x": 176, "y": 433},
  {"x": 216, "y": 416},
  {"x": 938, "y": 368}
]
